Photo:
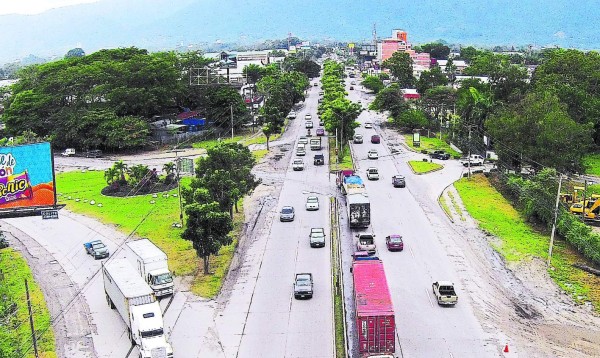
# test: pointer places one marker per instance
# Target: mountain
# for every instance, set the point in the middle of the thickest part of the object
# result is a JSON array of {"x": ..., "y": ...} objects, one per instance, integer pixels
[{"x": 165, "y": 24}]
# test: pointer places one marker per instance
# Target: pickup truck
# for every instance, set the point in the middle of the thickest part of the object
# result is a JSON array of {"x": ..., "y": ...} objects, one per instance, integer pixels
[
  {"x": 439, "y": 154},
  {"x": 472, "y": 160},
  {"x": 366, "y": 242},
  {"x": 317, "y": 237},
  {"x": 319, "y": 159},
  {"x": 298, "y": 164},
  {"x": 444, "y": 293},
  {"x": 372, "y": 173},
  {"x": 303, "y": 285},
  {"x": 97, "y": 249}
]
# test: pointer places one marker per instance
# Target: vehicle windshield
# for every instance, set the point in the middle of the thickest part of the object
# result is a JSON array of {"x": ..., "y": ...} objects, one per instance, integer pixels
[
  {"x": 303, "y": 282},
  {"x": 312, "y": 199},
  {"x": 152, "y": 333},
  {"x": 163, "y": 279},
  {"x": 98, "y": 245},
  {"x": 287, "y": 210},
  {"x": 395, "y": 239},
  {"x": 368, "y": 241}
]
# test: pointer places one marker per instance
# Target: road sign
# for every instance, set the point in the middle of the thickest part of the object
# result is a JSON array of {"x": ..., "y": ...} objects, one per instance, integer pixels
[
  {"x": 49, "y": 214},
  {"x": 185, "y": 165}
]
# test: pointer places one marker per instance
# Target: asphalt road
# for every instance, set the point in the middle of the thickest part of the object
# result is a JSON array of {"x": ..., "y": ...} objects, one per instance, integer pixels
[
  {"x": 423, "y": 328},
  {"x": 272, "y": 322}
]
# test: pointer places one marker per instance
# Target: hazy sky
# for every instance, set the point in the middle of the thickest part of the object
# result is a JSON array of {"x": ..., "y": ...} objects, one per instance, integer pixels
[{"x": 30, "y": 7}]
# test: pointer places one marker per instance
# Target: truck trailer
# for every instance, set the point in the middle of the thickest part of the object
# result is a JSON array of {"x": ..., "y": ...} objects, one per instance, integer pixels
[
  {"x": 136, "y": 303},
  {"x": 315, "y": 143},
  {"x": 359, "y": 210},
  {"x": 375, "y": 321},
  {"x": 151, "y": 264}
]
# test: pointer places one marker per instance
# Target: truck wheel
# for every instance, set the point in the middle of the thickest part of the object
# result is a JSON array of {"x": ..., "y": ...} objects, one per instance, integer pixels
[
  {"x": 131, "y": 337},
  {"x": 109, "y": 301}
]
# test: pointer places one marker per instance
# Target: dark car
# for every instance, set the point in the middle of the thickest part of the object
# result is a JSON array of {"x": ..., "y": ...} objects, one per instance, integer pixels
[
  {"x": 375, "y": 139},
  {"x": 97, "y": 249},
  {"x": 96, "y": 153},
  {"x": 319, "y": 159},
  {"x": 394, "y": 243},
  {"x": 439, "y": 154},
  {"x": 398, "y": 181},
  {"x": 320, "y": 131},
  {"x": 303, "y": 285}
]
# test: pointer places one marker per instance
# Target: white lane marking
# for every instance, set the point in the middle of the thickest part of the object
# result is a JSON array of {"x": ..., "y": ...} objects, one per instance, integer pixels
[
  {"x": 429, "y": 297},
  {"x": 411, "y": 252}
]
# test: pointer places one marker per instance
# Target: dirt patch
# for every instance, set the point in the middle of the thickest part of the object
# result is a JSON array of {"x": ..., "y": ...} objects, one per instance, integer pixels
[{"x": 124, "y": 190}]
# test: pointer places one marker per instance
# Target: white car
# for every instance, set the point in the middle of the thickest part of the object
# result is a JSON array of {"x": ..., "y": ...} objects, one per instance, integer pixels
[
  {"x": 292, "y": 115},
  {"x": 372, "y": 174},
  {"x": 308, "y": 124},
  {"x": 312, "y": 203},
  {"x": 298, "y": 164},
  {"x": 308, "y": 116},
  {"x": 303, "y": 140},
  {"x": 373, "y": 154},
  {"x": 368, "y": 125}
]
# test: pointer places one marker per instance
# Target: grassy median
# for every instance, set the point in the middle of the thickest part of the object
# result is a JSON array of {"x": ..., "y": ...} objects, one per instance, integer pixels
[
  {"x": 345, "y": 162},
  {"x": 421, "y": 167},
  {"x": 518, "y": 242},
  {"x": 15, "y": 332},
  {"x": 430, "y": 144}
]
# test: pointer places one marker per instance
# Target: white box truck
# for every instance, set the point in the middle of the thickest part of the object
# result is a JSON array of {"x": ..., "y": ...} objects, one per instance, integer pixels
[
  {"x": 151, "y": 264},
  {"x": 135, "y": 301}
]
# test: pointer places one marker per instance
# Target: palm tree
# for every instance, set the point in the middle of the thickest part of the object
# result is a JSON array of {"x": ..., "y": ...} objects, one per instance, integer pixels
[
  {"x": 111, "y": 175},
  {"x": 169, "y": 168},
  {"x": 121, "y": 168}
]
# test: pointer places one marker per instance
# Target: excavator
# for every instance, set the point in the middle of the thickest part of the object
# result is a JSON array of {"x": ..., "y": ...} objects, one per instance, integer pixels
[
  {"x": 591, "y": 208},
  {"x": 571, "y": 198}
]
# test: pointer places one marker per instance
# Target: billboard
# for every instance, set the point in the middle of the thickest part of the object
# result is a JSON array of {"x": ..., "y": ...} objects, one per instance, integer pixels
[{"x": 26, "y": 176}]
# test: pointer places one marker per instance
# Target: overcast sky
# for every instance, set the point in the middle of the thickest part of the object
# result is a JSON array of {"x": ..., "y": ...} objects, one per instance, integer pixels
[{"x": 30, "y": 7}]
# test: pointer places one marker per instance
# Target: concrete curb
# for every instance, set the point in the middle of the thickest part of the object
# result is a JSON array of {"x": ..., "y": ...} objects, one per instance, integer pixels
[{"x": 439, "y": 199}]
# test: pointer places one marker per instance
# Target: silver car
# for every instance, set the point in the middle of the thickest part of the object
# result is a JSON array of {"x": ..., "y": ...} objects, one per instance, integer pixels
[{"x": 287, "y": 214}]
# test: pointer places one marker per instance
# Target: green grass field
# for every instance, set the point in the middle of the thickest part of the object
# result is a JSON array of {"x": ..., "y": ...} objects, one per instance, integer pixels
[
  {"x": 153, "y": 221},
  {"x": 517, "y": 242},
  {"x": 431, "y": 144},
  {"x": 591, "y": 163},
  {"x": 421, "y": 167},
  {"x": 15, "y": 333},
  {"x": 345, "y": 163}
]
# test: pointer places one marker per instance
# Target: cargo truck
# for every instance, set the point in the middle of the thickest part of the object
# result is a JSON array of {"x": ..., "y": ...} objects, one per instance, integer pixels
[
  {"x": 136, "y": 303},
  {"x": 151, "y": 264},
  {"x": 375, "y": 321},
  {"x": 359, "y": 210}
]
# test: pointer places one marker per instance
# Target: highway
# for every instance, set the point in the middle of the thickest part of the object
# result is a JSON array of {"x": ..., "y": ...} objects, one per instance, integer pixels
[{"x": 423, "y": 328}]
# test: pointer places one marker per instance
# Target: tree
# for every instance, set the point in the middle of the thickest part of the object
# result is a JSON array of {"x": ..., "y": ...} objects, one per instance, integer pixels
[
  {"x": 508, "y": 82},
  {"x": 450, "y": 70},
  {"x": 373, "y": 83},
  {"x": 400, "y": 65},
  {"x": 411, "y": 119},
  {"x": 390, "y": 99},
  {"x": 76, "y": 52},
  {"x": 438, "y": 102},
  {"x": 540, "y": 129},
  {"x": 310, "y": 68},
  {"x": 226, "y": 167},
  {"x": 207, "y": 227},
  {"x": 436, "y": 50},
  {"x": 121, "y": 168},
  {"x": 469, "y": 53},
  {"x": 341, "y": 114},
  {"x": 430, "y": 79},
  {"x": 253, "y": 72}
]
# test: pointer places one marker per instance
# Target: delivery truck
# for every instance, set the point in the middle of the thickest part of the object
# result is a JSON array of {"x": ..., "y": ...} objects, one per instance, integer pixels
[
  {"x": 374, "y": 312},
  {"x": 136, "y": 303},
  {"x": 151, "y": 264},
  {"x": 359, "y": 210}
]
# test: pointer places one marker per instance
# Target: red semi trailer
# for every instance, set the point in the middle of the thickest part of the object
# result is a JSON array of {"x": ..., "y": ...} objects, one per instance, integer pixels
[{"x": 375, "y": 323}]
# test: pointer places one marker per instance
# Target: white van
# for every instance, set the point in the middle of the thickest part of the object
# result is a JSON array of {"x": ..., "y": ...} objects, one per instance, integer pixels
[{"x": 300, "y": 149}]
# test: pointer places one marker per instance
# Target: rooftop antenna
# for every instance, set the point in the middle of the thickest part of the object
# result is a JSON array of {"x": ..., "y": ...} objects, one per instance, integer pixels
[{"x": 375, "y": 34}]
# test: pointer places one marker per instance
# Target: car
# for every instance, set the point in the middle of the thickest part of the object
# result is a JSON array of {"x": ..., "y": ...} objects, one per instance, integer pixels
[
  {"x": 351, "y": 88},
  {"x": 292, "y": 115},
  {"x": 321, "y": 93},
  {"x": 298, "y": 164},
  {"x": 439, "y": 154},
  {"x": 319, "y": 159},
  {"x": 320, "y": 100},
  {"x": 315, "y": 84},
  {"x": 368, "y": 125},
  {"x": 359, "y": 101},
  {"x": 398, "y": 181},
  {"x": 366, "y": 242},
  {"x": 320, "y": 131},
  {"x": 312, "y": 203},
  {"x": 375, "y": 139},
  {"x": 308, "y": 116},
  {"x": 394, "y": 242},
  {"x": 373, "y": 154},
  {"x": 372, "y": 173},
  {"x": 96, "y": 153},
  {"x": 353, "y": 82},
  {"x": 69, "y": 152},
  {"x": 308, "y": 124},
  {"x": 321, "y": 123},
  {"x": 358, "y": 139},
  {"x": 287, "y": 213},
  {"x": 301, "y": 149},
  {"x": 317, "y": 237},
  {"x": 97, "y": 249},
  {"x": 303, "y": 285},
  {"x": 303, "y": 140}
]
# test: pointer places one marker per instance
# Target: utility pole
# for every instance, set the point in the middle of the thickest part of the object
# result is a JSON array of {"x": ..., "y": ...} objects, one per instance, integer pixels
[
  {"x": 35, "y": 350},
  {"x": 584, "y": 200},
  {"x": 555, "y": 216},
  {"x": 231, "y": 109},
  {"x": 469, "y": 157}
]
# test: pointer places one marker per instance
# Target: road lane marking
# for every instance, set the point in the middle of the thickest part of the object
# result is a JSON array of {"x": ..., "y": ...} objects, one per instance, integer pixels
[
  {"x": 411, "y": 252},
  {"x": 429, "y": 297}
]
